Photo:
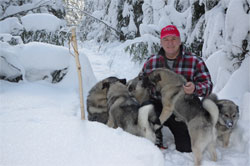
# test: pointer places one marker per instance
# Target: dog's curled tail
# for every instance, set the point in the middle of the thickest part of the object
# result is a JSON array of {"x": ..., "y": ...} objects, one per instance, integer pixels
[
  {"x": 213, "y": 97},
  {"x": 144, "y": 118},
  {"x": 212, "y": 108}
]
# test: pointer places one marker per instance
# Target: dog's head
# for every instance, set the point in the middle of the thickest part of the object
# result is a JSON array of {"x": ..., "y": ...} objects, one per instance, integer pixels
[
  {"x": 132, "y": 84},
  {"x": 228, "y": 113},
  {"x": 136, "y": 89},
  {"x": 149, "y": 81},
  {"x": 110, "y": 80}
]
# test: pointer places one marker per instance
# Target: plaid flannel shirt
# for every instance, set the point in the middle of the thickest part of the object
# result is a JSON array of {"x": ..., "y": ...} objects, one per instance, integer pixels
[{"x": 192, "y": 67}]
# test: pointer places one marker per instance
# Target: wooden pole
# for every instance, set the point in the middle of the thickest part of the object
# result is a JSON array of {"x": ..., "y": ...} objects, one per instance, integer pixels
[{"x": 78, "y": 65}]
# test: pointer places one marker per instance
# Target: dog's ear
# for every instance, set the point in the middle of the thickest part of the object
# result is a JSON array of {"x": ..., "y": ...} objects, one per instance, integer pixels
[
  {"x": 157, "y": 78},
  {"x": 145, "y": 81},
  {"x": 123, "y": 81},
  {"x": 238, "y": 110},
  {"x": 141, "y": 76},
  {"x": 105, "y": 85}
]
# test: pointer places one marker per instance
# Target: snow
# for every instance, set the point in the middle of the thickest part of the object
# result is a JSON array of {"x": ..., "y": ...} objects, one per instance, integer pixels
[
  {"x": 214, "y": 30},
  {"x": 234, "y": 26},
  {"x": 239, "y": 78},
  {"x": 43, "y": 56},
  {"x": 40, "y": 122},
  {"x": 16, "y": 9},
  {"x": 48, "y": 132},
  {"x": 10, "y": 25},
  {"x": 6, "y": 37},
  {"x": 41, "y": 21},
  {"x": 8, "y": 70},
  {"x": 218, "y": 66}
]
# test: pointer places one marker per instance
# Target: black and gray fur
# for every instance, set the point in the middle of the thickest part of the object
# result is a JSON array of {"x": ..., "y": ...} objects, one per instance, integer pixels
[
  {"x": 228, "y": 118},
  {"x": 125, "y": 112},
  {"x": 201, "y": 118},
  {"x": 136, "y": 89},
  {"x": 169, "y": 85},
  {"x": 97, "y": 100}
]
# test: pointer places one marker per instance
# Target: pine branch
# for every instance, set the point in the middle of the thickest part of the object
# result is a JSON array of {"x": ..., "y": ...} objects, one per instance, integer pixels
[
  {"x": 10, "y": 64},
  {"x": 40, "y": 4},
  {"x": 73, "y": 7}
]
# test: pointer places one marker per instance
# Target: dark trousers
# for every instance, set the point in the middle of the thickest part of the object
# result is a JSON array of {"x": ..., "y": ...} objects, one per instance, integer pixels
[{"x": 178, "y": 129}]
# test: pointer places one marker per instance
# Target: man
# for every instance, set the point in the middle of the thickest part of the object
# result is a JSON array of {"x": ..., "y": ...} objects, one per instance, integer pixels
[{"x": 174, "y": 56}]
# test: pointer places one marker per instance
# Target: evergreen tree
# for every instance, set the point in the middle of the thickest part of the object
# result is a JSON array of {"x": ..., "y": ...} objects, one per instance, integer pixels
[
  {"x": 134, "y": 19},
  {"x": 20, "y": 8}
]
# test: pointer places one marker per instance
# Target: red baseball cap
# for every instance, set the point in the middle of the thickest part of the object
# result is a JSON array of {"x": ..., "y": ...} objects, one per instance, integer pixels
[{"x": 169, "y": 30}]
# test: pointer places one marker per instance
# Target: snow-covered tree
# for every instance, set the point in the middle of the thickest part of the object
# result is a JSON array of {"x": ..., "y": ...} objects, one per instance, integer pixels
[
  {"x": 24, "y": 21},
  {"x": 122, "y": 20},
  {"x": 206, "y": 26},
  {"x": 20, "y": 13}
]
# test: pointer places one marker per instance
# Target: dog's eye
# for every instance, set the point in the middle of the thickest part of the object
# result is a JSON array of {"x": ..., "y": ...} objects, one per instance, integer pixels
[{"x": 226, "y": 115}]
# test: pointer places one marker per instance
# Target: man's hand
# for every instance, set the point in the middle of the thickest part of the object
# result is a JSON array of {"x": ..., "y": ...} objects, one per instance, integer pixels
[{"x": 189, "y": 88}]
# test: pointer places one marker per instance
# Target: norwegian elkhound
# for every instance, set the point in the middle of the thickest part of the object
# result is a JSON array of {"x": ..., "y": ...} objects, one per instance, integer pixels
[
  {"x": 142, "y": 95},
  {"x": 170, "y": 86},
  {"x": 125, "y": 112},
  {"x": 199, "y": 116},
  {"x": 97, "y": 100},
  {"x": 228, "y": 117},
  {"x": 135, "y": 89}
]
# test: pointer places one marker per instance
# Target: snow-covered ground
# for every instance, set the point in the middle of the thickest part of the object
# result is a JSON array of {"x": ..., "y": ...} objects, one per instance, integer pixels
[{"x": 40, "y": 122}]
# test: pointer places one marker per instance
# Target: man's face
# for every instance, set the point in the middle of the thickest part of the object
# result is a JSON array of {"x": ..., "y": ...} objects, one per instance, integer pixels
[{"x": 171, "y": 45}]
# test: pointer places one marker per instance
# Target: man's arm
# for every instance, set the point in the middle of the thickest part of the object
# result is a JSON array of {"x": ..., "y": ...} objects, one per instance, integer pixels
[{"x": 202, "y": 80}]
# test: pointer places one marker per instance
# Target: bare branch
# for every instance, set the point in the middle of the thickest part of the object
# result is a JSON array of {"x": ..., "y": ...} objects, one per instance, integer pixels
[{"x": 73, "y": 7}]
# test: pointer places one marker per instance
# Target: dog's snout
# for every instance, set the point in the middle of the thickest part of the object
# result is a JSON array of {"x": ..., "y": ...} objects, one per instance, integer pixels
[{"x": 229, "y": 124}]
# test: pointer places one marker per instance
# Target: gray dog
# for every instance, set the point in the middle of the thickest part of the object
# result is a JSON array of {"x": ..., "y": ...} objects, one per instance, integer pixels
[
  {"x": 199, "y": 116},
  {"x": 97, "y": 100},
  {"x": 125, "y": 112},
  {"x": 170, "y": 86},
  {"x": 228, "y": 117}
]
